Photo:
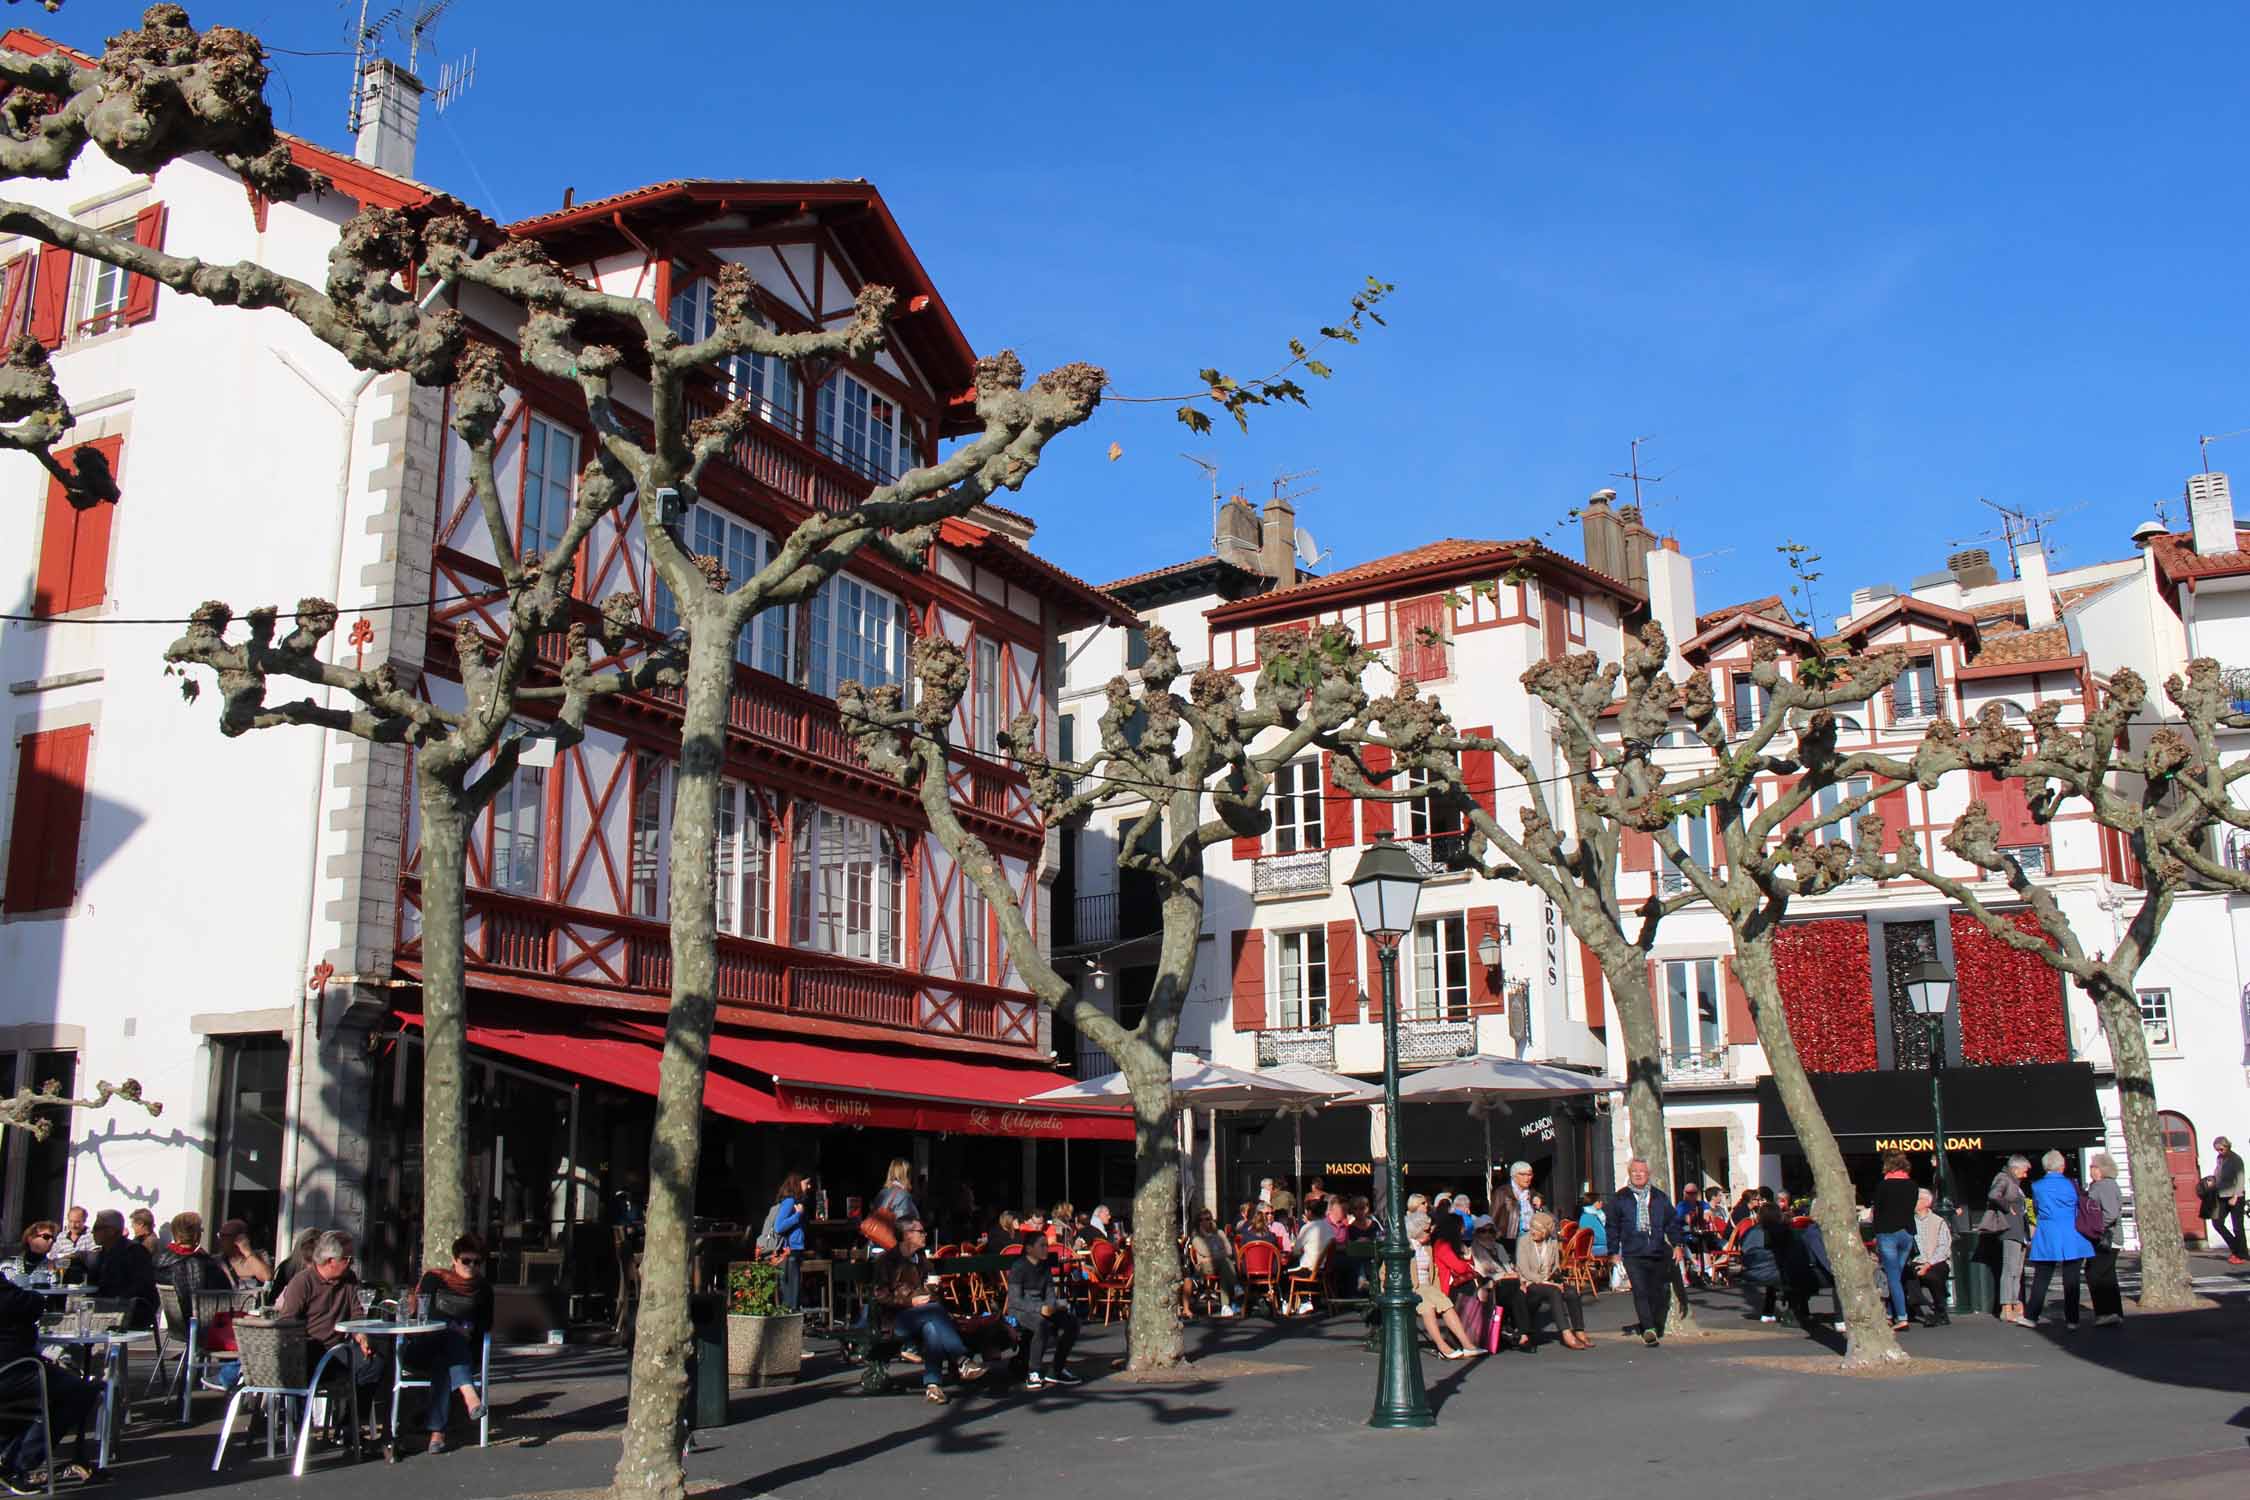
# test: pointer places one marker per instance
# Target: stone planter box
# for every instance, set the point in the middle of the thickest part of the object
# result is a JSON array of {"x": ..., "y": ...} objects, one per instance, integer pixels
[{"x": 758, "y": 1349}]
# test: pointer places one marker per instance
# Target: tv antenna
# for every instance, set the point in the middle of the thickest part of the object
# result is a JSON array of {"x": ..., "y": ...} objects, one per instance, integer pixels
[
  {"x": 1283, "y": 481},
  {"x": 2016, "y": 528},
  {"x": 2205, "y": 441},
  {"x": 1211, "y": 472},
  {"x": 393, "y": 24},
  {"x": 1633, "y": 471}
]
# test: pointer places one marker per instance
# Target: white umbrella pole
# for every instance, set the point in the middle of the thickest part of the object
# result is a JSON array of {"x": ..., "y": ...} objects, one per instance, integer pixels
[
  {"x": 1298, "y": 1118},
  {"x": 1488, "y": 1160}
]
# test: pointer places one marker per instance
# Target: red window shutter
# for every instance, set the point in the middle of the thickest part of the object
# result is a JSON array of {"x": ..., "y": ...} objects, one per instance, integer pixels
[
  {"x": 15, "y": 283},
  {"x": 1637, "y": 848},
  {"x": 1736, "y": 1026},
  {"x": 1343, "y": 972},
  {"x": 1374, "y": 973},
  {"x": 140, "y": 292},
  {"x": 1421, "y": 660},
  {"x": 2010, "y": 808},
  {"x": 1590, "y": 974},
  {"x": 1718, "y": 840},
  {"x": 1249, "y": 980},
  {"x": 1378, "y": 817},
  {"x": 1485, "y": 997},
  {"x": 1248, "y": 848},
  {"x": 1892, "y": 806},
  {"x": 1803, "y": 814},
  {"x": 73, "y": 570},
  {"x": 50, "y": 296},
  {"x": 1335, "y": 807},
  {"x": 1477, "y": 776},
  {"x": 43, "y": 836}
]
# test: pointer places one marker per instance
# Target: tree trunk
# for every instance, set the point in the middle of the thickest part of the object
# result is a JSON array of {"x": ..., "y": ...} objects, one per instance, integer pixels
[
  {"x": 2166, "y": 1284},
  {"x": 1154, "y": 1341},
  {"x": 445, "y": 1147},
  {"x": 1644, "y": 1094},
  {"x": 1867, "y": 1322},
  {"x": 649, "y": 1467}
]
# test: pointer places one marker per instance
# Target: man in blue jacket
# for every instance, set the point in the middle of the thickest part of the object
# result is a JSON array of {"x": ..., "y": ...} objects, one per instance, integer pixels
[{"x": 1644, "y": 1229}]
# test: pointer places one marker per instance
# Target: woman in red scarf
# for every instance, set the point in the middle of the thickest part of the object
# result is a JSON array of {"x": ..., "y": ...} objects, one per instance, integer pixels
[{"x": 462, "y": 1299}]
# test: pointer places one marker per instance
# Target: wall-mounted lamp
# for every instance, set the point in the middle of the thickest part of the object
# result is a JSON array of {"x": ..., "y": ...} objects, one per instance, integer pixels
[{"x": 669, "y": 510}]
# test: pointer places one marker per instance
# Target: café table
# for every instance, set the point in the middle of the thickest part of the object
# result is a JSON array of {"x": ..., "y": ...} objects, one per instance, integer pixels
[
  {"x": 393, "y": 1329},
  {"x": 113, "y": 1345}
]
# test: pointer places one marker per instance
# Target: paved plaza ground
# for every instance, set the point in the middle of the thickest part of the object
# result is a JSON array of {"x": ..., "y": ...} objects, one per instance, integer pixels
[{"x": 2157, "y": 1410}]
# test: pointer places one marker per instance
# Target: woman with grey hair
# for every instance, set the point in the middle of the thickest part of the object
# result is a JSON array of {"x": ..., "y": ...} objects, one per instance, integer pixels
[
  {"x": 2055, "y": 1241},
  {"x": 2101, "y": 1266},
  {"x": 2005, "y": 1219}
]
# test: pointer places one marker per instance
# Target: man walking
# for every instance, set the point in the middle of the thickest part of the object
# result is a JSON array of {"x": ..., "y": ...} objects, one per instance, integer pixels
[
  {"x": 2226, "y": 1193},
  {"x": 1645, "y": 1230}
]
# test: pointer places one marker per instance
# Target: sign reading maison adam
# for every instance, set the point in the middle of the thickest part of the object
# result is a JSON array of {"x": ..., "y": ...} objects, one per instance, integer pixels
[{"x": 1922, "y": 1143}]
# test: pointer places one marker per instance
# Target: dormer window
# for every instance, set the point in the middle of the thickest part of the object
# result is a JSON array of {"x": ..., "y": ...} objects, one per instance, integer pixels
[
  {"x": 865, "y": 430},
  {"x": 1914, "y": 695},
  {"x": 767, "y": 383}
]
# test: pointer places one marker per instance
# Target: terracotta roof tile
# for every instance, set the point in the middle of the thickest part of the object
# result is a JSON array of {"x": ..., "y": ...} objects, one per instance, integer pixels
[
  {"x": 2049, "y": 643},
  {"x": 2176, "y": 556},
  {"x": 1164, "y": 572},
  {"x": 1770, "y": 606}
]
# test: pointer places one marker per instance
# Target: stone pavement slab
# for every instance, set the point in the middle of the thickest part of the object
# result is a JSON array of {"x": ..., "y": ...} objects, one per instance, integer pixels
[{"x": 2155, "y": 1410}]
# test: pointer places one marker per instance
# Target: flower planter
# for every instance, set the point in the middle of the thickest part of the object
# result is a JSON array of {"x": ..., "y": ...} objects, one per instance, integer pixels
[{"x": 761, "y": 1348}]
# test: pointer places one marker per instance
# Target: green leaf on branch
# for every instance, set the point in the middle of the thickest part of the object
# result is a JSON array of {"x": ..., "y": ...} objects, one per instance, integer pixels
[{"x": 1196, "y": 420}]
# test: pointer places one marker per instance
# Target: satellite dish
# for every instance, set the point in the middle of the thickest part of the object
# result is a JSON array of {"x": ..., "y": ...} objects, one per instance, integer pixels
[{"x": 1308, "y": 551}]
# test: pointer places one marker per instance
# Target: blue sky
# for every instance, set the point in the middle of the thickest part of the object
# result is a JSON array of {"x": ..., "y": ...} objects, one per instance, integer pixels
[{"x": 1851, "y": 271}]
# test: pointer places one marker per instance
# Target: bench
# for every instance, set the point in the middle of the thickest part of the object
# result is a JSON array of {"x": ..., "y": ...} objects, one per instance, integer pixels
[{"x": 875, "y": 1351}]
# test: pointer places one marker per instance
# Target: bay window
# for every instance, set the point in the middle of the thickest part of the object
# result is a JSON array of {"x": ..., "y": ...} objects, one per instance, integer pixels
[
  {"x": 767, "y": 383},
  {"x": 769, "y": 641},
  {"x": 550, "y": 479},
  {"x": 858, "y": 633},
  {"x": 864, "y": 430},
  {"x": 1301, "y": 978},
  {"x": 742, "y": 864},
  {"x": 847, "y": 887}
]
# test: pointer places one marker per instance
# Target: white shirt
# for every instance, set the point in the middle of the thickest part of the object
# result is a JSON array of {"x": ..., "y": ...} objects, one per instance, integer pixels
[
  {"x": 66, "y": 1248},
  {"x": 1312, "y": 1239}
]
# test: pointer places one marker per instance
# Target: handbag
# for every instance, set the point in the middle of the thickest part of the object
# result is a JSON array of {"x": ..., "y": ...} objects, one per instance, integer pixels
[
  {"x": 880, "y": 1229},
  {"x": 2091, "y": 1221},
  {"x": 1474, "y": 1315}
]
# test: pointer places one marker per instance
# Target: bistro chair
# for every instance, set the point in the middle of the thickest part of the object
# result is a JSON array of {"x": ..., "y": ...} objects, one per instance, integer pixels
[
  {"x": 1577, "y": 1265},
  {"x": 1260, "y": 1265},
  {"x": 274, "y": 1354},
  {"x": 1309, "y": 1283},
  {"x": 1112, "y": 1283},
  {"x": 184, "y": 1340},
  {"x": 32, "y": 1406},
  {"x": 431, "y": 1362}
]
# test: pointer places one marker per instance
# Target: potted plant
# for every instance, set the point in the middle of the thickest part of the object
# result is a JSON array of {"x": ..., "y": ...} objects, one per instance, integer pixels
[{"x": 764, "y": 1338}]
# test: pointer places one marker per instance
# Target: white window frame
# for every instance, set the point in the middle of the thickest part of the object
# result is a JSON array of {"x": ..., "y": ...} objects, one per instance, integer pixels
[
  {"x": 1746, "y": 716},
  {"x": 769, "y": 642},
  {"x": 1916, "y": 705},
  {"x": 1297, "y": 823},
  {"x": 519, "y": 833},
  {"x": 103, "y": 292},
  {"x": 879, "y": 653},
  {"x": 768, "y": 383},
  {"x": 1691, "y": 997},
  {"x": 848, "y": 890},
  {"x": 1439, "y": 970},
  {"x": 1693, "y": 830},
  {"x": 1300, "y": 979},
  {"x": 1422, "y": 816},
  {"x": 543, "y": 512},
  {"x": 984, "y": 725},
  {"x": 742, "y": 864},
  {"x": 865, "y": 430},
  {"x": 648, "y": 889},
  {"x": 1834, "y": 795},
  {"x": 2159, "y": 1021},
  {"x": 976, "y": 918}
]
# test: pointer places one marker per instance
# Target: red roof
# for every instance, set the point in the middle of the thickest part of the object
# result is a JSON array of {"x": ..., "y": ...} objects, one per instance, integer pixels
[
  {"x": 1453, "y": 559},
  {"x": 371, "y": 186},
  {"x": 1007, "y": 557},
  {"x": 2178, "y": 561},
  {"x": 851, "y": 210},
  {"x": 2049, "y": 643},
  {"x": 1769, "y": 606},
  {"x": 1908, "y": 604}
]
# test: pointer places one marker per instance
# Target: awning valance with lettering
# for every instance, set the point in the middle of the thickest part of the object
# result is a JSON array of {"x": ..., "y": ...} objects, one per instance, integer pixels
[{"x": 2034, "y": 1106}]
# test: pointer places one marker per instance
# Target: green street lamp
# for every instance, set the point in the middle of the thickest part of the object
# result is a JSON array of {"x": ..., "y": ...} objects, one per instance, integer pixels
[
  {"x": 1929, "y": 989},
  {"x": 1384, "y": 890}
]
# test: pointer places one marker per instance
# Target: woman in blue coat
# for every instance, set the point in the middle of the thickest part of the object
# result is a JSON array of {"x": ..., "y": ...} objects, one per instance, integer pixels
[{"x": 2055, "y": 1240}]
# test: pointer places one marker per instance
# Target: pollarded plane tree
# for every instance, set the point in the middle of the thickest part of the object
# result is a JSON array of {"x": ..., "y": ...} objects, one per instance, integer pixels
[
  {"x": 1566, "y": 848},
  {"x": 159, "y": 93},
  {"x": 1200, "y": 767},
  {"x": 2168, "y": 799},
  {"x": 1766, "y": 853}
]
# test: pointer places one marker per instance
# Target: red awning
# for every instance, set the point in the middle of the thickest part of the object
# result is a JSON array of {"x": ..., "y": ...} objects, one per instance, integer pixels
[
  {"x": 821, "y": 1085},
  {"x": 626, "y": 1062}
]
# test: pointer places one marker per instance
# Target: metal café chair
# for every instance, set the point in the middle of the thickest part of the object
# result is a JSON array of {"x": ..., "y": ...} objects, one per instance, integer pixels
[
  {"x": 34, "y": 1403},
  {"x": 273, "y": 1353},
  {"x": 401, "y": 1381}
]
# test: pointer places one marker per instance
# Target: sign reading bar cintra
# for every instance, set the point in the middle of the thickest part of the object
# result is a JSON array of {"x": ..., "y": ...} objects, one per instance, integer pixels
[{"x": 1922, "y": 1143}]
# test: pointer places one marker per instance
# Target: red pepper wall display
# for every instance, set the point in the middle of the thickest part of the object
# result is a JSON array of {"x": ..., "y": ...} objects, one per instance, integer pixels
[
  {"x": 1826, "y": 994},
  {"x": 2011, "y": 1003}
]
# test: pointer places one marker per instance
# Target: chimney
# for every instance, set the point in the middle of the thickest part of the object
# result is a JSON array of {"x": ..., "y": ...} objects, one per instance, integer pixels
[
  {"x": 2038, "y": 595},
  {"x": 1236, "y": 540},
  {"x": 1972, "y": 568},
  {"x": 1278, "y": 559},
  {"x": 1637, "y": 539},
  {"x": 1671, "y": 599},
  {"x": 1605, "y": 538},
  {"x": 2211, "y": 512},
  {"x": 390, "y": 118}
]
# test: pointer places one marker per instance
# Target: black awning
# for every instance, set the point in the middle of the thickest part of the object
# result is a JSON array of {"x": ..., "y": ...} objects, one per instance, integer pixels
[{"x": 1986, "y": 1109}]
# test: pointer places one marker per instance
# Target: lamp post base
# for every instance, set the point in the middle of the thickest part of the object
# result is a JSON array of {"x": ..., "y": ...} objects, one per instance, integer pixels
[{"x": 1400, "y": 1400}]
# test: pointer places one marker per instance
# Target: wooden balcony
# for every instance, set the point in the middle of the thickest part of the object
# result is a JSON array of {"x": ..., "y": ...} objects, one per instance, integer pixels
[
  {"x": 601, "y": 951},
  {"x": 788, "y": 465}
]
